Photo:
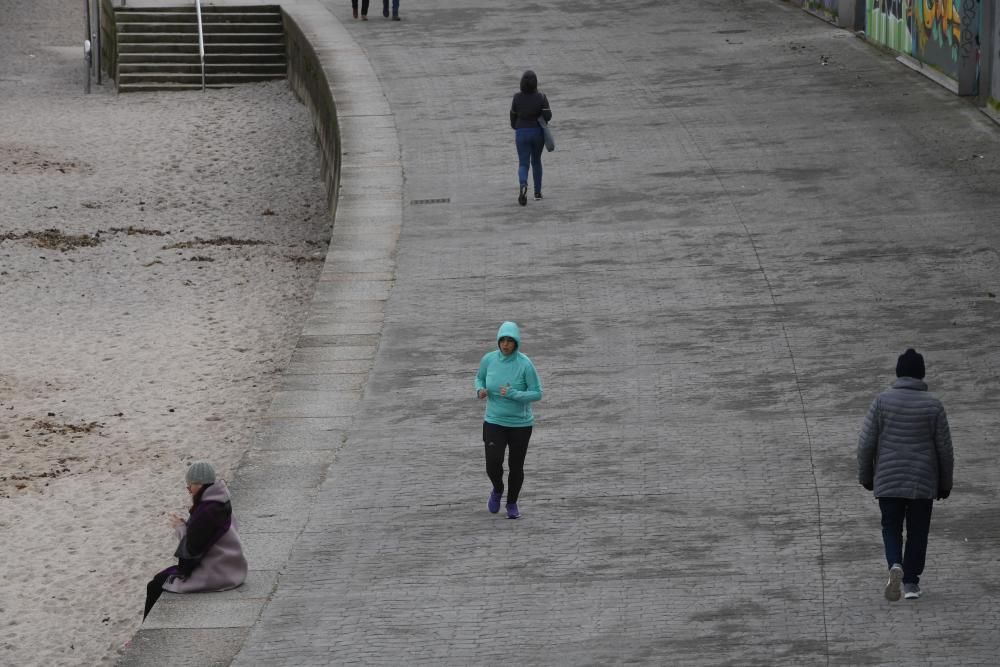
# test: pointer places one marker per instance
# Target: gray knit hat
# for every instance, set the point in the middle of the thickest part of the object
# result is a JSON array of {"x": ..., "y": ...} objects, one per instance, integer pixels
[{"x": 200, "y": 472}]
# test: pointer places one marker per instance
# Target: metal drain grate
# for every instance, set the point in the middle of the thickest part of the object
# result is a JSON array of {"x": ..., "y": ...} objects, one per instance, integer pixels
[{"x": 443, "y": 200}]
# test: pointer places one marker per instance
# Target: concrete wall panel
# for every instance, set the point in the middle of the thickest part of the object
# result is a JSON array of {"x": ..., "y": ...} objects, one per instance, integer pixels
[
  {"x": 946, "y": 32},
  {"x": 991, "y": 54}
]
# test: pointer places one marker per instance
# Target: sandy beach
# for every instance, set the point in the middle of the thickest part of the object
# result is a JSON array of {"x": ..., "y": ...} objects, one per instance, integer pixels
[{"x": 157, "y": 256}]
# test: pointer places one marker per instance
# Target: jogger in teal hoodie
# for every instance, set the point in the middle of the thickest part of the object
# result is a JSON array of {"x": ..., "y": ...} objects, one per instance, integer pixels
[{"x": 509, "y": 383}]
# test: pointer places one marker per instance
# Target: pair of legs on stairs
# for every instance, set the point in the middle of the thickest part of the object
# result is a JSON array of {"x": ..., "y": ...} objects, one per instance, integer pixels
[{"x": 385, "y": 9}]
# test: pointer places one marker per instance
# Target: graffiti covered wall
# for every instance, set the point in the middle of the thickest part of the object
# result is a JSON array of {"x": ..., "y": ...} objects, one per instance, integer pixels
[
  {"x": 828, "y": 7},
  {"x": 941, "y": 33},
  {"x": 890, "y": 23},
  {"x": 942, "y": 41}
]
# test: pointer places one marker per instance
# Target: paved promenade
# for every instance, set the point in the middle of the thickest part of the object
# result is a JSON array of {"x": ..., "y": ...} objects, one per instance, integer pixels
[{"x": 749, "y": 214}]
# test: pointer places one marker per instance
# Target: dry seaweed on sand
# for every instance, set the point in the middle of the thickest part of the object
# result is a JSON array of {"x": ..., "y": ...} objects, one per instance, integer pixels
[
  {"x": 218, "y": 241},
  {"x": 53, "y": 239}
]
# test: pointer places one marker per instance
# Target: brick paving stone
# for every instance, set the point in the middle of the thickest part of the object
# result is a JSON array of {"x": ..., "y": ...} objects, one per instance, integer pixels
[{"x": 748, "y": 216}]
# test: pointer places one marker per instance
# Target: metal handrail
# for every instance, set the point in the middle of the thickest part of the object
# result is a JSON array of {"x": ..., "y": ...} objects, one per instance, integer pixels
[{"x": 201, "y": 43}]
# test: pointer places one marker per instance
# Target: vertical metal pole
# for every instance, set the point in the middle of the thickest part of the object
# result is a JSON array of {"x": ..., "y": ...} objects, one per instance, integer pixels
[
  {"x": 90, "y": 27},
  {"x": 86, "y": 46},
  {"x": 201, "y": 42},
  {"x": 97, "y": 42}
]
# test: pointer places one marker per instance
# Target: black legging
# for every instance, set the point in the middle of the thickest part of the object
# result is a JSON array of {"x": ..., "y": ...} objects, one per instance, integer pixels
[
  {"x": 153, "y": 590},
  {"x": 495, "y": 439}
]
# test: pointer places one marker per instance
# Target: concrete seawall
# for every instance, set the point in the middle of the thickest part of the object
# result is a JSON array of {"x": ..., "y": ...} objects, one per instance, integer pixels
[{"x": 320, "y": 391}]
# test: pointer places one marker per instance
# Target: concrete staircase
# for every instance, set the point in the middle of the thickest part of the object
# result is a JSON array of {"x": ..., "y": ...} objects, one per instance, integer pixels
[{"x": 158, "y": 47}]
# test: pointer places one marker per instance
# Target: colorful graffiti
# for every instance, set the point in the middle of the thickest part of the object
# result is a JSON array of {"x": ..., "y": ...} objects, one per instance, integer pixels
[
  {"x": 940, "y": 20},
  {"x": 947, "y": 32},
  {"x": 828, "y": 7},
  {"x": 890, "y": 23},
  {"x": 941, "y": 33}
]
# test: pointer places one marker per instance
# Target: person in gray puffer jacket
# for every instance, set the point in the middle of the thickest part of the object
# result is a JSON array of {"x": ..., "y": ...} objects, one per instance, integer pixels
[{"x": 905, "y": 456}]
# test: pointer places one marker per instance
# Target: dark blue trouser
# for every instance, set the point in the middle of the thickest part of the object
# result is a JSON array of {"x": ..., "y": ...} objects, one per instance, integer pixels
[
  {"x": 916, "y": 514},
  {"x": 530, "y": 142},
  {"x": 385, "y": 7}
]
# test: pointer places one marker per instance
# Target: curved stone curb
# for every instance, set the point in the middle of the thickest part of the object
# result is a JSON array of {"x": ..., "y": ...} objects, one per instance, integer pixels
[{"x": 319, "y": 393}]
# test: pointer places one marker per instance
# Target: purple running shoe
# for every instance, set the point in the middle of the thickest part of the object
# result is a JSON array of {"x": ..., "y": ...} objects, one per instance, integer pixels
[{"x": 494, "y": 503}]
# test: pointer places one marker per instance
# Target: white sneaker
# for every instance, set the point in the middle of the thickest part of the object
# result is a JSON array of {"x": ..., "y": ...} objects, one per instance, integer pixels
[
  {"x": 911, "y": 591},
  {"x": 895, "y": 579}
]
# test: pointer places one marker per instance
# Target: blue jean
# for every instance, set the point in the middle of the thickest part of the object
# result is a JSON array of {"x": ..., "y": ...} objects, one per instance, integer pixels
[
  {"x": 530, "y": 142},
  {"x": 916, "y": 514},
  {"x": 395, "y": 7}
]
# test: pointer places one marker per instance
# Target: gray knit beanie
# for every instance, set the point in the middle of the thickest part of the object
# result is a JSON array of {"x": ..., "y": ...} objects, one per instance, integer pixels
[{"x": 200, "y": 472}]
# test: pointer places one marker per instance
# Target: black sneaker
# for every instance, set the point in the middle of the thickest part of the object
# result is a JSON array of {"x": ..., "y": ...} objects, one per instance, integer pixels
[
  {"x": 395, "y": 18},
  {"x": 538, "y": 195},
  {"x": 522, "y": 197}
]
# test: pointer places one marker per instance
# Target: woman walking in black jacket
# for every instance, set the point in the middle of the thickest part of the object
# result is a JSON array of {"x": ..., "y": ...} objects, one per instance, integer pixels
[{"x": 528, "y": 106}]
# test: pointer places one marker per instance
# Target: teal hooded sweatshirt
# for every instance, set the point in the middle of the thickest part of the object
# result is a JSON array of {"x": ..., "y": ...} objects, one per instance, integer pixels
[{"x": 514, "y": 371}]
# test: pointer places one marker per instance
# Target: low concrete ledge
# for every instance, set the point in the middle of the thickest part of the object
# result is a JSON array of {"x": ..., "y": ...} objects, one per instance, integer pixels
[
  {"x": 318, "y": 395},
  {"x": 187, "y": 648},
  {"x": 237, "y": 608},
  {"x": 937, "y": 77},
  {"x": 307, "y": 79}
]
